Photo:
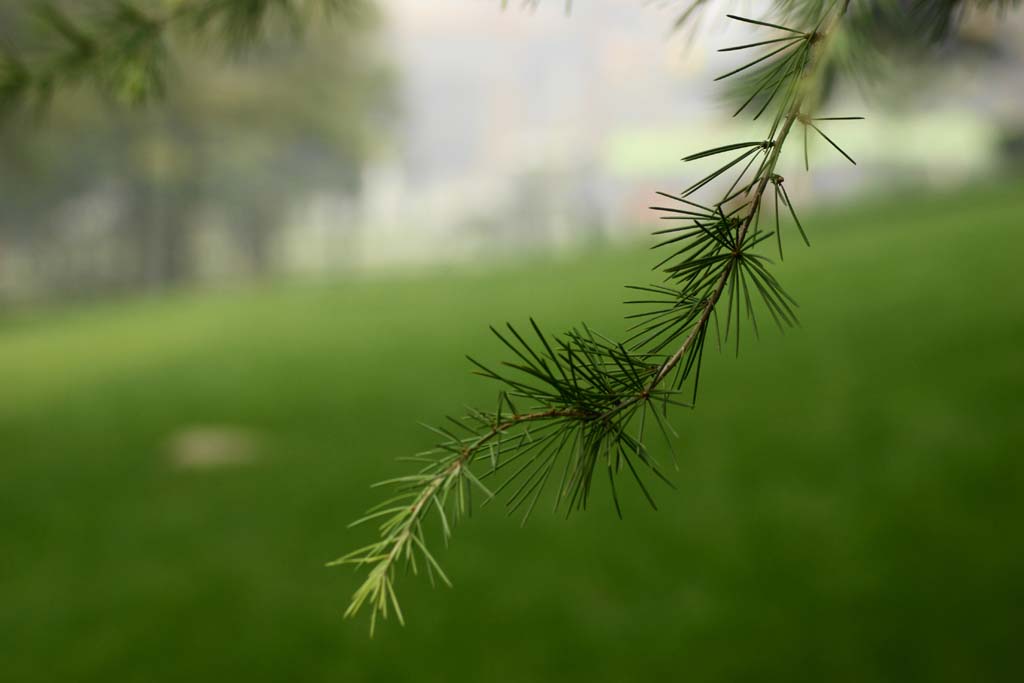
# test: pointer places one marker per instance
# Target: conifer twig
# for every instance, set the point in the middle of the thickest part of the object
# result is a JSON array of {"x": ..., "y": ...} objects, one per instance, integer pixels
[{"x": 591, "y": 400}]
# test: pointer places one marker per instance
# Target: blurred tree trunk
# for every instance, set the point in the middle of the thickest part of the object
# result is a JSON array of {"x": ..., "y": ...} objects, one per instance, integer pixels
[
  {"x": 260, "y": 222},
  {"x": 168, "y": 259}
]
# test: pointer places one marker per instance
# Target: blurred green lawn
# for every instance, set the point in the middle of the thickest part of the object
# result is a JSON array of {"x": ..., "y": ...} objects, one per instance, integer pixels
[{"x": 849, "y": 501}]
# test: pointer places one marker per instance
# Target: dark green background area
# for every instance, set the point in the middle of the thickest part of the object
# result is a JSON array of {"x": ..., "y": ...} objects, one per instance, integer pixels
[{"x": 848, "y": 508}]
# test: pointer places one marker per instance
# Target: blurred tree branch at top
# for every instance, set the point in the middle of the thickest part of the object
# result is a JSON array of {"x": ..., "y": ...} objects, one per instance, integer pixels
[
  {"x": 254, "y": 121},
  {"x": 124, "y": 47}
]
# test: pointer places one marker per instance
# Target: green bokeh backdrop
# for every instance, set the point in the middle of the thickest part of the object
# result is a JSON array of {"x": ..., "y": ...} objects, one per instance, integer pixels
[{"x": 848, "y": 507}]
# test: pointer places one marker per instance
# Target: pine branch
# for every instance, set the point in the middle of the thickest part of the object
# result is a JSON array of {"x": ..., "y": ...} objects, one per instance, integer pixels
[{"x": 590, "y": 399}]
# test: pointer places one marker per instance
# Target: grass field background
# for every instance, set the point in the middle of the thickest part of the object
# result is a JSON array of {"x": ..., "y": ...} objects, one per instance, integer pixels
[{"x": 849, "y": 507}]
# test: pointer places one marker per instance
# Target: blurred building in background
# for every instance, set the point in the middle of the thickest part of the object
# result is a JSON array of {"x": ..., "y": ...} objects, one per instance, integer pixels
[
  {"x": 537, "y": 127},
  {"x": 455, "y": 132}
]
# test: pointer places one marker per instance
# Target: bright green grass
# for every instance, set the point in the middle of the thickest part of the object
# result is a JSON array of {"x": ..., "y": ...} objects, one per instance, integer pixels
[{"x": 849, "y": 507}]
